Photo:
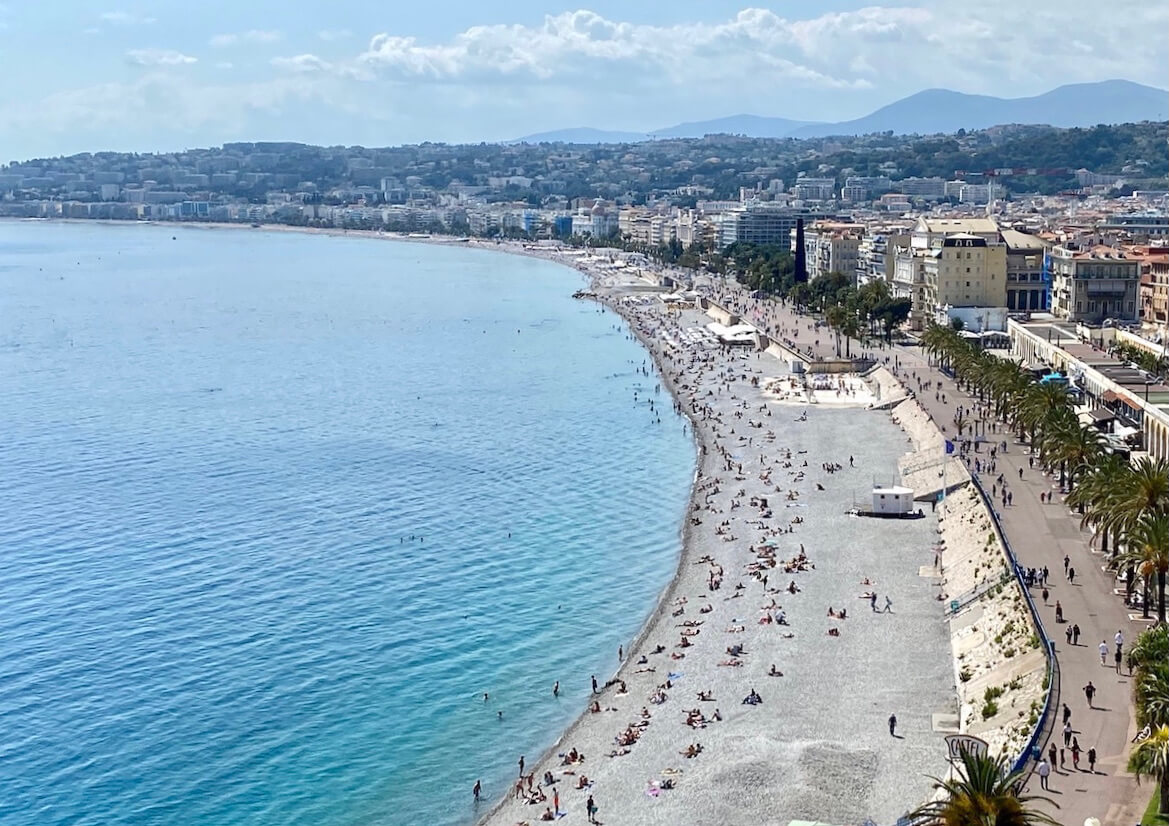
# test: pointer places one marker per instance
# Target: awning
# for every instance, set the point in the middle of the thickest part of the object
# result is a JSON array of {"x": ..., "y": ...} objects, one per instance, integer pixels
[
  {"x": 1109, "y": 396},
  {"x": 1101, "y": 415},
  {"x": 1129, "y": 402}
]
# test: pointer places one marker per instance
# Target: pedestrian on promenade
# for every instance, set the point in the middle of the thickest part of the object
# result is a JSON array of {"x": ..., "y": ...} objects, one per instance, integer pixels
[
  {"x": 1103, "y": 652},
  {"x": 1090, "y": 692},
  {"x": 1067, "y": 733},
  {"x": 1046, "y": 594},
  {"x": 1066, "y": 561},
  {"x": 1071, "y": 576},
  {"x": 1076, "y": 753},
  {"x": 1092, "y": 759},
  {"x": 1067, "y": 714},
  {"x": 1117, "y": 657},
  {"x": 1020, "y": 473},
  {"x": 1119, "y": 639},
  {"x": 1076, "y": 634},
  {"x": 1058, "y": 612},
  {"x": 1044, "y": 771},
  {"x": 892, "y": 725},
  {"x": 1051, "y": 755},
  {"x": 1068, "y": 633}
]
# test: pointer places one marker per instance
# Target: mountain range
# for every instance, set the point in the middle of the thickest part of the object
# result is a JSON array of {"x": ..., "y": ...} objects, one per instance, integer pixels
[{"x": 928, "y": 112}]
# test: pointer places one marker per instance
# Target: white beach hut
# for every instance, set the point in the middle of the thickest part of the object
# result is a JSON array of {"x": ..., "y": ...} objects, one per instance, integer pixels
[{"x": 892, "y": 501}]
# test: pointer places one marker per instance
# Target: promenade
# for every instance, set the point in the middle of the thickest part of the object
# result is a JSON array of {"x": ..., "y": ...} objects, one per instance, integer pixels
[{"x": 1041, "y": 535}]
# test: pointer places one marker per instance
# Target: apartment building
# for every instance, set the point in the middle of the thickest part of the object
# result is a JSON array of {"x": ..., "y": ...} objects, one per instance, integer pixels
[
  {"x": 831, "y": 246},
  {"x": 1027, "y": 290},
  {"x": 1093, "y": 284},
  {"x": 876, "y": 257},
  {"x": 764, "y": 224},
  {"x": 910, "y": 262},
  {"x": 963, "y": 270}
]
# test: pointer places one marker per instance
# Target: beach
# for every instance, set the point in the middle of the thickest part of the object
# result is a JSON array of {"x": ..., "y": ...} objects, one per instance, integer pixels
[{"x": 770, "y": 563}]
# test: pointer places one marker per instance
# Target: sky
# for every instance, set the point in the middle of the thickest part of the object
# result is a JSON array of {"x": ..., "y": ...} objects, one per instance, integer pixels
[{"x": 80, "y": 75}]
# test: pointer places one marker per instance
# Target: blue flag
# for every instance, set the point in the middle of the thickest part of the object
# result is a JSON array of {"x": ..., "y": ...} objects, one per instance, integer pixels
[{"x": 949, "y": 446}]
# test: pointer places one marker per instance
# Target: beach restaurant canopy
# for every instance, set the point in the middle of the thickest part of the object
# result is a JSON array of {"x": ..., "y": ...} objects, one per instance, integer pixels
[{"x": 738, "y": 334}]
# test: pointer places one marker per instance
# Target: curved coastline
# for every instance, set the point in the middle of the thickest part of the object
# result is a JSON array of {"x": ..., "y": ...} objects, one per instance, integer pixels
[{"x": 704, "y": 466}]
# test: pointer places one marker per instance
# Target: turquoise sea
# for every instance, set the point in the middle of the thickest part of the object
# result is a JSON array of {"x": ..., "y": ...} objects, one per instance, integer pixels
[{"x": 278, "y": 509}]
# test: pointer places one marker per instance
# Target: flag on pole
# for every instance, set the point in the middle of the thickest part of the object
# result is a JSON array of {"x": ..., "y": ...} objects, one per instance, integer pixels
[{"x": 949, "y": 446}]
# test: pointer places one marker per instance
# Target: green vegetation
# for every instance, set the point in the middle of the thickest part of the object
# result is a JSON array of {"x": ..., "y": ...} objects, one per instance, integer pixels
[
  {"x": 1152, "y": 818},
  {"x": 982, "y": 791},
  {"x": 1149, "y": 362},
  {"x": 1149, "y": 660}
]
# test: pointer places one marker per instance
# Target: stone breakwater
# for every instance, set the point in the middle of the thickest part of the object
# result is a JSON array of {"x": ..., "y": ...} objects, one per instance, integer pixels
[{"x": 999, "y": 664}]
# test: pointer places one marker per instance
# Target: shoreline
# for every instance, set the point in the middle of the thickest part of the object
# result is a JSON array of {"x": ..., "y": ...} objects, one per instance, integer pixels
[{"x": 611, "y": 296}]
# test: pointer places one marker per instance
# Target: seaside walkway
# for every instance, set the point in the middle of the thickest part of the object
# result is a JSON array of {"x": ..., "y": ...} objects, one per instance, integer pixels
[{"x": 1041, "y": 535}]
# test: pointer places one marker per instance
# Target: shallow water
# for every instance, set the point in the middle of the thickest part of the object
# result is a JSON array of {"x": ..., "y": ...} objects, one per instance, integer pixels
[{"x": 255, "y": 563}]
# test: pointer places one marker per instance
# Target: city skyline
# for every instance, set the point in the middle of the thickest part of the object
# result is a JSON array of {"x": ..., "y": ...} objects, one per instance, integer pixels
[{"x": 87, "y": 76}]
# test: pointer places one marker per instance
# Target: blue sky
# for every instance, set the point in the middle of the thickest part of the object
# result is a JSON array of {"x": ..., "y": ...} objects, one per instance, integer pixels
[{"x": 155, "y": 76}]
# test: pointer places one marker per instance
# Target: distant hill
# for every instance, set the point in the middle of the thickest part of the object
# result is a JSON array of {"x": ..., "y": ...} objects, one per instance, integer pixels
[
  {"x": 941, "y": 110},
  {"x": 928, "y": 112},
  {"x": 582, "y": 135},
  {"x": 751, "y": 125}
]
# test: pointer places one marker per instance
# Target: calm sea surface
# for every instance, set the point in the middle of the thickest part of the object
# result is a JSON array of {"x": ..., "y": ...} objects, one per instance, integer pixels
[{"x": 278, "y": 509}]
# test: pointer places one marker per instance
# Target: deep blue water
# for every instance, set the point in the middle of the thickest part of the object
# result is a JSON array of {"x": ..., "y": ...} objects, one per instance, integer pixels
[{"x": 257, "y": 489}]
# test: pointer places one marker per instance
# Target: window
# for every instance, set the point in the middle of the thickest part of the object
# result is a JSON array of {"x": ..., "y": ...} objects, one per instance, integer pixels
[
  {"x": 967, "y": 269},
  {"x": 968, "y": 283}
]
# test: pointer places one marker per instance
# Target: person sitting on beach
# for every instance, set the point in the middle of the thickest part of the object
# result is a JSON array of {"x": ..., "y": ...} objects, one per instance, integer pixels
[
  {"x": 548, "y": 778},
  {"x": 735, "y": 650},
  {"x": 595, "y": 708},
  {"x": 834, "y": 632},
  {"x": 752, "y": 699},
  {"x": 643, "y": 660},
  {"x": 792, "y": 588},
  {"x": 733, "y": 663},
  {"x": 693, "y": 750},
  {"x": 706, "y": 609},
  {"x": 582, "y": 782},
  {"x": 548, "y": 814},
  {"x": 677, "y": 656},
  {"x": 774, "y": 672},
  {"x": 705, "y": 696}
]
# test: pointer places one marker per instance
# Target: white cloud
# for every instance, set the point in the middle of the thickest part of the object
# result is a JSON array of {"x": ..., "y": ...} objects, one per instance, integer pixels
[
  {"x": 302, "y": 63},
  {"x": 159, "y": 57},
  {"x": 329, "y": 35},
  {"x": 125, "y": 18},
  {"x": 221, "y": 41}
]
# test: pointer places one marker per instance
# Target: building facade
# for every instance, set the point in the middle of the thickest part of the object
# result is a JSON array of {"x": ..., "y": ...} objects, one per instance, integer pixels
[
  {"x": 1093, "y": 285},
  {"x": 964, "y": 270}
]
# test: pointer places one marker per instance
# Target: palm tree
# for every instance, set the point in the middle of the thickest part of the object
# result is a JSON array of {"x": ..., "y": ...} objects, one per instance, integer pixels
[
  {"x": 1093, "y": 496},
  {"x": 1151, "y": 692},
  {"x": 1147, "y": 545},
  {"x": 1073, "y": 446},
  {"x": 1151, "y": 759},
  {"x": 982, "y": 793}
]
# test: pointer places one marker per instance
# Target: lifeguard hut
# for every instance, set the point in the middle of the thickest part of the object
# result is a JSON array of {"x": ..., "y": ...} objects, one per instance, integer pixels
[{"x": 893, "y": 502}]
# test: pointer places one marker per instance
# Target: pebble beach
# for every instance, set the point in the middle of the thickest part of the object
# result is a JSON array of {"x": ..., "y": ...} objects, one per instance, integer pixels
[{"x": 761, "y": 689}]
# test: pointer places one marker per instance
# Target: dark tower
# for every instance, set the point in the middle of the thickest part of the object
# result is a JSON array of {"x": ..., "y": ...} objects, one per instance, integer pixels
[{"x": 801, "y": 273}]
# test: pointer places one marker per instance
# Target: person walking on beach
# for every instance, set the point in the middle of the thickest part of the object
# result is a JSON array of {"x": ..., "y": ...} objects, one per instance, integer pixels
[
  {"x": 594, "y": 684},
  {"x": 1090, "y": 692},
  {"x": 521, "y": 765},
  {"x": 591, "y": 808},
  {"x": 873, "y": 601},
  {"x": 1044, "y": 771},
  {"x": 892, "y": 725},
  {"x": 888, "y": 605}
]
